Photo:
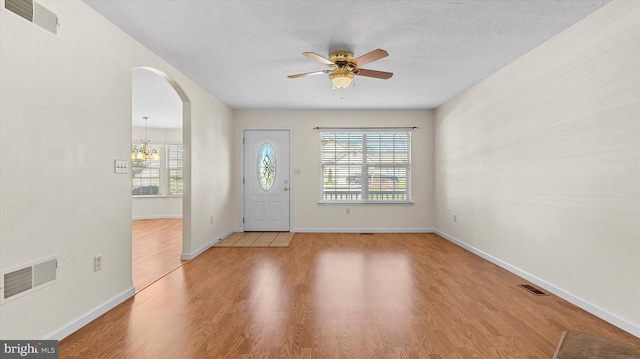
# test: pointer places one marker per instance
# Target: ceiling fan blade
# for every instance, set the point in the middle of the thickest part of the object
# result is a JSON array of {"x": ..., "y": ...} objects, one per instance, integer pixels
[
  {"x": 373, "y": 73},
  {"x": 314, "y": 56},
  {"x": 309, "y": 74},
  {"x": 374, "y": 55}
]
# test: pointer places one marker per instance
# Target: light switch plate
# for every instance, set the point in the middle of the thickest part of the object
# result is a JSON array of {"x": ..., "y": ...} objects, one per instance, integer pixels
[{"x": 121, "y": 166}]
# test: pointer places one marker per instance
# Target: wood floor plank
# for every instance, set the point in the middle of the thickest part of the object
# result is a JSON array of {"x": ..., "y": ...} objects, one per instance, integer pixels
[
  {"x": 337, "y": 296},
  {"x": 156, "y": 249}
]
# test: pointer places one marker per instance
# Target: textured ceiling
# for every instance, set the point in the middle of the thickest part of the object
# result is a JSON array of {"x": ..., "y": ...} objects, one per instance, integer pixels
[{"x": 242, "y": 51}]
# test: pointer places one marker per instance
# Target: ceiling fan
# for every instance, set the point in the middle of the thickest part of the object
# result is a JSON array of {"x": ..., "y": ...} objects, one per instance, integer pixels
[{"x": 344, "y": 67}]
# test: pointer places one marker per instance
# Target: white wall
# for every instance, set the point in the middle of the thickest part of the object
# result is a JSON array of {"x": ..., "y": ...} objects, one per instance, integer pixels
[
  {"x": 151, "y": 207},
  {"x": 309, "y": 215},
  {"x": 212, "y": 210},
  {"x": 161, "y": 206},
  {"x": 541, "y": 164},
  {"x": 67, "y": 99}
]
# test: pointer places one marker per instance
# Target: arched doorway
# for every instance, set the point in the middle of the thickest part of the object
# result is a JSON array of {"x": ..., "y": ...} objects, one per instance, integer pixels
[{"x": 160, "y": 190}]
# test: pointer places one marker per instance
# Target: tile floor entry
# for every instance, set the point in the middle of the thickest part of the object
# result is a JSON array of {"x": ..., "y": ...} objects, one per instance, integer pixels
[{"x": 257, "y": 239}]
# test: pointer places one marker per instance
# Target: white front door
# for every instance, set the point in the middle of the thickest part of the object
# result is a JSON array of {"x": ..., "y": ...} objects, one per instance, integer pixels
[{"x": 266, "y": 180}]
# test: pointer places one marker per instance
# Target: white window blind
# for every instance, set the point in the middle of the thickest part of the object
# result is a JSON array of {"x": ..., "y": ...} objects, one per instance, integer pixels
[
  {"x": 366, "y": 166},
  {"x": 145, "y": 175},
  {"x": 174, "y": 167}
]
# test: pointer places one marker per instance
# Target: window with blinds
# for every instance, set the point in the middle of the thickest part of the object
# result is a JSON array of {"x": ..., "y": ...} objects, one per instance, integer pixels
[
  {"x": 366, "y": 166},
  {"x": 174, "y": 168},
  {"x": 145, "y": 175}
]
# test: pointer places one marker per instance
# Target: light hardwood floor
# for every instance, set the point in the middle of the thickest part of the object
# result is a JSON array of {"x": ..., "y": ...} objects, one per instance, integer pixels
[
  {"x": 156, "y": 249},
  {"x": 337, "y": 296}
]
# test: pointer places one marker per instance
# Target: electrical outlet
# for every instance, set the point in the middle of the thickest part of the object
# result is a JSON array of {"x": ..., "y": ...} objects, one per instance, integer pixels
[
  {"x": 97, "y": 263},
  {"x": 455, "y": 218},
  {"x": 348, "y": 210}
]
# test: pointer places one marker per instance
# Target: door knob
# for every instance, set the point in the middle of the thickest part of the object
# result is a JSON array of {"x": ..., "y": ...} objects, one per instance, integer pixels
[{"x": 286, "y": 189}]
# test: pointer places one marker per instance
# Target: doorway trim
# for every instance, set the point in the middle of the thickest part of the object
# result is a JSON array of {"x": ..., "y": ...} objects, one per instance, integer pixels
[
  {"x": 186, "y": 156},
  {"x": 242, "y": 174}
]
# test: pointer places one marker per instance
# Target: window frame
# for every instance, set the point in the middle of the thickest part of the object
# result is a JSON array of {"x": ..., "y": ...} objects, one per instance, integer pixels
[{"x": 393, "y": 177}]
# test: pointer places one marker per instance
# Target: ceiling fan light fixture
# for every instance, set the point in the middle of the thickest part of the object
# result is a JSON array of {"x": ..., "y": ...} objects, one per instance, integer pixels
[{"x": 341, "y": 78}]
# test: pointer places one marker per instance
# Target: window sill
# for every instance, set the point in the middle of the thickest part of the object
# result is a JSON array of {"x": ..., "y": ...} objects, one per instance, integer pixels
[
  {"x": 158, "y": 196},
  {"x": 365, "y": 202}
]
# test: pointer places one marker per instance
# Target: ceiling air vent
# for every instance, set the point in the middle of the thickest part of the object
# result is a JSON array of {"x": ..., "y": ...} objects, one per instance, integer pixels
[
  {"x": 34, "y": 13},
  {"x": 18, "y": 282}
]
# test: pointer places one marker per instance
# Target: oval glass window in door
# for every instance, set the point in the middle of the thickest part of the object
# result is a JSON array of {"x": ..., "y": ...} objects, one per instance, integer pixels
[{"x": 266, "y": 166}]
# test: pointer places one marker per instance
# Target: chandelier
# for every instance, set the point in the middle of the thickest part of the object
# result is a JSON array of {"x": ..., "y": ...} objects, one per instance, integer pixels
[{"x": 144, "y": 151}]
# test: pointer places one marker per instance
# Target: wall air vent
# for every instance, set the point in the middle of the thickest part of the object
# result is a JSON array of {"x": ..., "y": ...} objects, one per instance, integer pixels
[
  {"x": 22, "y": 8},
  {"x": 34, "y": 13},
  {"x": 18, "y": 282}
]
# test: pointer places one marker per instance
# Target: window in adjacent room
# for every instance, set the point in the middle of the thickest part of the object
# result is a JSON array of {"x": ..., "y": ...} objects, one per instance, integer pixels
[
  {"x": 174, "y": 168},
  {"x": 158, "y": 177},
  {"x": 369, "y": 166},
  {"x": 145, "y": 175}
]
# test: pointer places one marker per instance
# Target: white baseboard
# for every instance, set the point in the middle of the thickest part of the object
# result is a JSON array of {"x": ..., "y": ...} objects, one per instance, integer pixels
[
  {"x": 197, "y": 252},
  {"x": 136, "y": 218},
  {"x": 91, "y": 315},
  {"x": 364, "y": 230},
  {"x": 571, "y": 298}
]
